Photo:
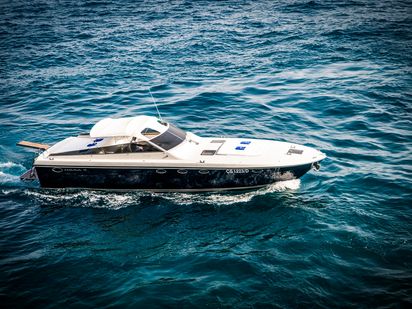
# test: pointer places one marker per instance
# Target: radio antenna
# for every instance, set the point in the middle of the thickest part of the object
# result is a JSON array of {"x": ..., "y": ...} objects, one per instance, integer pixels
[{"x": 154, "y": 102}]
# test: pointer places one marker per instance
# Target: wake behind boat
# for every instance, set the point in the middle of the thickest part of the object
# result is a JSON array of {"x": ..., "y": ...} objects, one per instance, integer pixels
[{"x": 147, "y": 153}]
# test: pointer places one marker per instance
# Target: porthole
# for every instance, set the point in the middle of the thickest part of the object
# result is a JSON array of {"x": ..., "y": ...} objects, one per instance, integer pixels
[
  {"x": 203, "y": 172},
  {"x": 161, "y": 171},
  {"x": 57, "y": 170},
  {"x": 183, "y": 172}
]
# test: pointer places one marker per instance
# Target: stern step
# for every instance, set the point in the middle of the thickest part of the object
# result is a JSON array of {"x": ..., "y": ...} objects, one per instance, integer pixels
[{"x": 30, "y": 175}]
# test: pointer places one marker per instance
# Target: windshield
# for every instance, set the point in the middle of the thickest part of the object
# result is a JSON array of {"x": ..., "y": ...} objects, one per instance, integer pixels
[{"x": 170, "y": 138}]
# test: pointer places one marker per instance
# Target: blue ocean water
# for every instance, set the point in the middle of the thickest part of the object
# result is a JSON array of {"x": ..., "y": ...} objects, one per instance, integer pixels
[{"x": 335, "y": 75}]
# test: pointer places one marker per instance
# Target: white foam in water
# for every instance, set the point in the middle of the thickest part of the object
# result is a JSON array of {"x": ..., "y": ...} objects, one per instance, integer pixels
[
  {"x": 8, "y": 178},
  {"x": 232, "y": 198},
  {"x": 10, "y": 172},
  {"x": 86, "y": 198},
  {"x": 9, "y": 165},
  {"x": 117, "y": 200}
]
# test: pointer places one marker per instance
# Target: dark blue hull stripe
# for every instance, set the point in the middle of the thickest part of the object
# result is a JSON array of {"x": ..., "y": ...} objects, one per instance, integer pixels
[{"x": 164, "y": 179}]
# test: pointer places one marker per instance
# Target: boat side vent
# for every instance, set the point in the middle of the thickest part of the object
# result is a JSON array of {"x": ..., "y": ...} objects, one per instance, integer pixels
[
  {"x": 208, "y": 152},
  {"x": 218, "y": 141},
  {"x": 294, "y": 151}
]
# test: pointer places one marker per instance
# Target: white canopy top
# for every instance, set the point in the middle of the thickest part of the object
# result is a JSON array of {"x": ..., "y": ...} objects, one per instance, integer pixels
[{"x": 130, "y": 126}]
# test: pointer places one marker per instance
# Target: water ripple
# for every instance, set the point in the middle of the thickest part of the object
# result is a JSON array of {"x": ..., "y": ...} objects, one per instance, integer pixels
[{"x": 332, "y": 75}]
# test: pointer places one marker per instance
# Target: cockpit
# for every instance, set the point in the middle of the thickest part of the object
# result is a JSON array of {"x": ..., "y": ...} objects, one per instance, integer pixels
[{"x": 140, "y": 134}]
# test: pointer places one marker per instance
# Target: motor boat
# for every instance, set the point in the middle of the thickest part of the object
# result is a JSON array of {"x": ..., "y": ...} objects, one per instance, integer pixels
[{"x": 148, "y": 153}]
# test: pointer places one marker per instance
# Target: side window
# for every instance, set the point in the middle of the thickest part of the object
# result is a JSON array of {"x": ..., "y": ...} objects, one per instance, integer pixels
[
  {"x": 150, "y": 132},
  {"x": 132, "y": 147},
  {"x": 122, "y": 148},
  {"x": 142, "y": 147}
]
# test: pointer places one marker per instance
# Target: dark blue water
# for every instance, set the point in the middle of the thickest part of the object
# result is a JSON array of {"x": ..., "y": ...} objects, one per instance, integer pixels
[{"x": 335, "y": 75}]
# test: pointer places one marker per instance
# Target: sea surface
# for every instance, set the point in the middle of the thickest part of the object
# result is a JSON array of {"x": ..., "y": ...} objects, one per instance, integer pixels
[{"x": 334, "y": 75}]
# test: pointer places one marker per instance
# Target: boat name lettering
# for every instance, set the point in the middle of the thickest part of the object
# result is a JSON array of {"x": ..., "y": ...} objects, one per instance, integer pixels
[
  {"x": 237, "y": 171},
  {"x": 74, "y": 169}
]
